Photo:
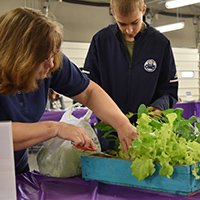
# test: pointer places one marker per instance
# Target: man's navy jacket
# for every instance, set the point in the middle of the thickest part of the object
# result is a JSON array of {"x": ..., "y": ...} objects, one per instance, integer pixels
[{"x": 149, "y": 79}]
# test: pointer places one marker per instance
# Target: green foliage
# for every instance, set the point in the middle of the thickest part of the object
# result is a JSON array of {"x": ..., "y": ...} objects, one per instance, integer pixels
[
  {"x": 182, "y": 127},
  {"x": 168, "y": 139},
  {"x": 109, "y": 130}
]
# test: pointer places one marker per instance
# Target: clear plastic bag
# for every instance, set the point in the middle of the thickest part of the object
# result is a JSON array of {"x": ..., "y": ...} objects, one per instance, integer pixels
[{"x": 57, "y": 157}]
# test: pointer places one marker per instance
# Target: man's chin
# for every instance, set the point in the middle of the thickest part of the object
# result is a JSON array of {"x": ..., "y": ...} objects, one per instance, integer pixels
[{"x": 130, "y": 39}]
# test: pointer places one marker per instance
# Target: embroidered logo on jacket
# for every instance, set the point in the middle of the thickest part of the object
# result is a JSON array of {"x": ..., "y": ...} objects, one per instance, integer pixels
[{"x": 150, "y": 65}]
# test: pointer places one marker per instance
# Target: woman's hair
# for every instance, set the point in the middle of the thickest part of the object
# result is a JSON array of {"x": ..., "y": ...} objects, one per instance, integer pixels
[
  {"x": 27, "y": 39},
  {"x": 125, "y": 7}
]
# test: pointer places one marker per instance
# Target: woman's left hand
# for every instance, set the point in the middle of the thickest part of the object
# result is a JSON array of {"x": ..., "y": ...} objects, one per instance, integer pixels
[{"x": 127, "y": 133}]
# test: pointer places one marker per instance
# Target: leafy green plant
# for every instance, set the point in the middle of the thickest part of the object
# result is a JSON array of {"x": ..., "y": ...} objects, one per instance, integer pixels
[
  {"x": 168, "y": 140},
  {"x": 109, "y": 130}
]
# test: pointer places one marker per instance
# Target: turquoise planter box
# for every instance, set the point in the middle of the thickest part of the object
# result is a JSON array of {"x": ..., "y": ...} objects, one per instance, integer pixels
[{"x": 118, "y": 172}]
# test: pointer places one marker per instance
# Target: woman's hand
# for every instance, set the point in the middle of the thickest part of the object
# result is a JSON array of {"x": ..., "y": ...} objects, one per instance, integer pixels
[
  {"x": 127, "y": 133},
  {"x": 26, "y": 135},
  {"x": 75, "y": 134}
]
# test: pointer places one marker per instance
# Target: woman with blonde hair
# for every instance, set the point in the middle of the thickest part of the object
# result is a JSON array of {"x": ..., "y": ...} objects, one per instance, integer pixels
[{"x": 30, "y": 64}]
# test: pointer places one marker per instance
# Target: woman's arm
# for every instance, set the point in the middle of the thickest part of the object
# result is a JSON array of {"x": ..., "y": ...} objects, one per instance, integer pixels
[
  {"x": 95, "y": 98},
  {"x": 28, "y": 134}
]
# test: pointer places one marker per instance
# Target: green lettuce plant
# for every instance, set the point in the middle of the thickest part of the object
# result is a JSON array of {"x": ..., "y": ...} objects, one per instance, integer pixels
[{"x": 167, "y": 139}]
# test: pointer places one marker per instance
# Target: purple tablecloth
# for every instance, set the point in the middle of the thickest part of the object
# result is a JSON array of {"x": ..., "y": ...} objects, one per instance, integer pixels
[
  {"x": 190, "y": 108},
  {"x": 57, "y": 115},
  {"x": 34, "y": 186},
  {"x": 197, "y": 109}
]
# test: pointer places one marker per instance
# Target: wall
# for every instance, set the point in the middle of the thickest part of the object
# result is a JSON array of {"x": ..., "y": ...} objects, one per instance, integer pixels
[
  {"x": 76, "y": 52},
  {"x": 81, "y": 22},
  {"x": 186, "y": 37},
  {"x": 186, "y": 60},
  {"x": 10, "y": 4}
]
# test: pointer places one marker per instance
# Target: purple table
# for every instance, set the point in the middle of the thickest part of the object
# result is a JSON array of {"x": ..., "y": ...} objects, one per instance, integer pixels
[
  {"x": 197, "y": 109},
  {"x": 190, "y": 108},
  {"x": 34, "y": 186},
  {"x": 57, "y": 115}
]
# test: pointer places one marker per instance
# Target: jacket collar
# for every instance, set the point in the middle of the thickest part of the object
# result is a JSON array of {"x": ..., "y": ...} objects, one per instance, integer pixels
[{"x": 150, "y": 29}]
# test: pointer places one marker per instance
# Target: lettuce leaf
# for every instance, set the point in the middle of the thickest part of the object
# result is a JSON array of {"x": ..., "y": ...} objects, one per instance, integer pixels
[{"x": 169, "y": 140}]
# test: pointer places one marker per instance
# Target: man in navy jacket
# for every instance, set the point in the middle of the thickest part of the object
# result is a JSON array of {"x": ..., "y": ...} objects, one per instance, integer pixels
[{"x": 132, "y": 62}]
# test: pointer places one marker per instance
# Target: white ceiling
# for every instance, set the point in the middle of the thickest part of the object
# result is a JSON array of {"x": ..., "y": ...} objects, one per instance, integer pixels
[
  {"x": 159, "y": 7},
  {"x": 156, "y": 6}
]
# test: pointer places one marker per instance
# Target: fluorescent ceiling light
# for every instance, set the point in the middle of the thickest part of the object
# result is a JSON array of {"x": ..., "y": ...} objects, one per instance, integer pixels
[
  {"x": 170, "y": 27},
  {"x": 179, "y": 3}
]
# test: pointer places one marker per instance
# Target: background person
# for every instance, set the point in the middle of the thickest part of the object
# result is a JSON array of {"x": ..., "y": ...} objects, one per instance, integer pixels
[
  {"x": 132, "y": 62},
  {"x": 55, "y": 101}
]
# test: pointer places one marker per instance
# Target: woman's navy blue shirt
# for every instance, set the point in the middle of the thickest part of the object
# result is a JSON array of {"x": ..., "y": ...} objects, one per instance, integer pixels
[{"x": 29, "y": 107}]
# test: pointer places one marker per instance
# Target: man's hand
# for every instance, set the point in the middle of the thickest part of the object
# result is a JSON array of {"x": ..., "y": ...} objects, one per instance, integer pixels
[{"x": 154, "y": 112}]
